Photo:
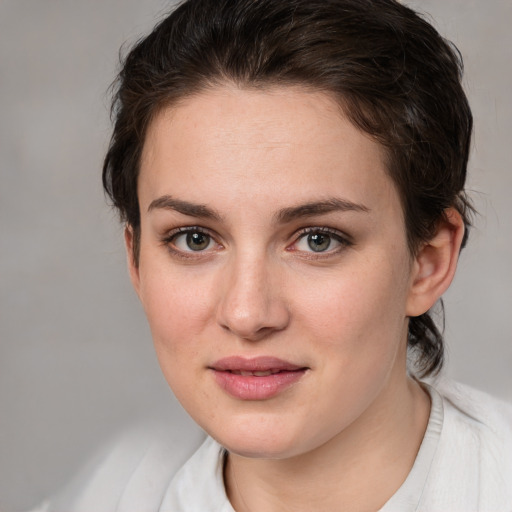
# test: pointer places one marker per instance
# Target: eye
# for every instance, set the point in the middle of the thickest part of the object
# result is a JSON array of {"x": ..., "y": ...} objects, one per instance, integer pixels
[
  {"x": 190, "y": 240},
  {"x": 320, "y": 240}
]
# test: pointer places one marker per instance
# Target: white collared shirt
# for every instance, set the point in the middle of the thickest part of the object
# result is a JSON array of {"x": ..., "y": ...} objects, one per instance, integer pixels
[{"x": 464, "y": 465}]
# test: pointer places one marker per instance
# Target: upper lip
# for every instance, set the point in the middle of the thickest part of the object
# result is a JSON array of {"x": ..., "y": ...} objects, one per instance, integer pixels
[{"x": 254, "y": 364}]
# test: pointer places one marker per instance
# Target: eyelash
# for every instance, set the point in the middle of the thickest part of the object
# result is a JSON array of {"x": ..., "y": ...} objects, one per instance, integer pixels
[
  {"x": 169, "y": 239},
  {"x": 336, "y": 235}
]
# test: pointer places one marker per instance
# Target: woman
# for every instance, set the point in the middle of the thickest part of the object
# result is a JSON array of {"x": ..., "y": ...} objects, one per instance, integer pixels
[{"x": 291, "y": 176}]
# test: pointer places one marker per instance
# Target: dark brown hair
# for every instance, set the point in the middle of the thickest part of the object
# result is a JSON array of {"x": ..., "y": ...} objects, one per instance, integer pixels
[{"x": 395, "y": 77}]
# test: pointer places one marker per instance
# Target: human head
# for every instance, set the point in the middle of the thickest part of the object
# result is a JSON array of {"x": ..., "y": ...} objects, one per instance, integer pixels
[{"x": 391, "y": 73}]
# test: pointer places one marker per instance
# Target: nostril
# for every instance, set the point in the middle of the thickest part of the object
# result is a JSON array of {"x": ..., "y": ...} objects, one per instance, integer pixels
[
  {"x": 250, "y": 335},
  {"x": 249, "y": 306}
]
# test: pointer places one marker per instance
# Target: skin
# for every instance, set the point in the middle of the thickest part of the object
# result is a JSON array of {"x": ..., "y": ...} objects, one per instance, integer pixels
[{"x": 256, "y": 288}]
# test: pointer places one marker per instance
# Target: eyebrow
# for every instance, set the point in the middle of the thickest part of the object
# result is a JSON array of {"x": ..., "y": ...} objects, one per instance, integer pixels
[
  {"x": 283, "y": 216},
  {"x": 191, "y": 209},
  {"x": 333, "y": 204}
]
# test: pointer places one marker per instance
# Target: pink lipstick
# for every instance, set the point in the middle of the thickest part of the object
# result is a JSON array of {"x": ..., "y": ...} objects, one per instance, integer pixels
[{"x": 258, "y": 378}]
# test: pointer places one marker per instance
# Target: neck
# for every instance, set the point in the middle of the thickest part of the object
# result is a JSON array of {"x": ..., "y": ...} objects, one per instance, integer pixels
[{"x": 359, "y": 469}]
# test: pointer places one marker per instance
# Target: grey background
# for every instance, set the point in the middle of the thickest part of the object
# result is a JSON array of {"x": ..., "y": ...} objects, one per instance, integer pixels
[{"x": 76, "y": 360}]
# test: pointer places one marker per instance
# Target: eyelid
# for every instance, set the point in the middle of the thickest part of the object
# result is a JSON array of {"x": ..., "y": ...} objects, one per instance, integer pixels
[
  {"x": 168, "y": 238},
  {"x": 172, "y": 233},
  {"x": 343, "y": 239}
]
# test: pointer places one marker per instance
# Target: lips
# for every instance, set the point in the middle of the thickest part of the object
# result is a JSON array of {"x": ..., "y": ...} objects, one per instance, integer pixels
[
  {"x": 264, "y": 373},
  {"x": 257, "y": 378}
]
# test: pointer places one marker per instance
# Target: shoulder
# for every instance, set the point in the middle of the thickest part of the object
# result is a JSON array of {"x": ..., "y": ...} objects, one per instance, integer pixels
[
  {"x": 473, "y": 462},
  {"x": 130, "y": 473},
  {"x": 477, "y": 410},
  {"x": 204, "y": 470}
]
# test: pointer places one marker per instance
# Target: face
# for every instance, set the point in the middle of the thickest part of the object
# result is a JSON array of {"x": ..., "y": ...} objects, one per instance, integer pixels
[{"x": 274, "y": 268}]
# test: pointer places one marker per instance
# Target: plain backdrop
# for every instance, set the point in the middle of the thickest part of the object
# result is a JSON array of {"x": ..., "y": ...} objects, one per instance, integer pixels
[{"x": 76, "y": 359}]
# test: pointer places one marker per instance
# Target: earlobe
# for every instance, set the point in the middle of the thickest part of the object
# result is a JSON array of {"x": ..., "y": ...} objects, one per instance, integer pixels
[
  {"x": 133, "y": 267},
  {"x": 435, "y": 264}
]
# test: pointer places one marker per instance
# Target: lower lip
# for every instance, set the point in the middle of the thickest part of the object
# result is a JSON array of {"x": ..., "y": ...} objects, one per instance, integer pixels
[{"x": 251, "y": 387}]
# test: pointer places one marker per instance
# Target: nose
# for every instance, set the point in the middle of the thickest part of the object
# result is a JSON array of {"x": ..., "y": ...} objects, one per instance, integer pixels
[{"x": 252, "y": 305}]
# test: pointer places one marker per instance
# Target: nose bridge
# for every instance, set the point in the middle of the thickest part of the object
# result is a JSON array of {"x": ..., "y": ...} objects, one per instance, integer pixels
[{"x": 251, "y": 305}]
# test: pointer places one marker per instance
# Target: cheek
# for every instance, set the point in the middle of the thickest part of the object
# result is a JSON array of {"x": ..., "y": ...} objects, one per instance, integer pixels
[
  {"x": 177, "y": 314},
  {"x": 360, "y": 312},
  {"x": 358, "y": 327},
  {"x": 177, "y": 306}
]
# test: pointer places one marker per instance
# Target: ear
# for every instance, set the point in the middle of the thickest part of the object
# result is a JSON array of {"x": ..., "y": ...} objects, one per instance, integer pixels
[
  {"x": 133, "y": 266},
  {"x": 435, "y": 264}
]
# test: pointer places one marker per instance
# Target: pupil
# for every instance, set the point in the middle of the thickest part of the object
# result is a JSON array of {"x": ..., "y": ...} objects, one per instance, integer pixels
[
  {"x": 197, "y": 241},
  {"x": 319, "y": 242}
]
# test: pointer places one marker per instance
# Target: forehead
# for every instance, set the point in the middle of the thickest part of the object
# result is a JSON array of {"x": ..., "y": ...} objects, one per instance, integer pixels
[{"x": 235, "y": 140}]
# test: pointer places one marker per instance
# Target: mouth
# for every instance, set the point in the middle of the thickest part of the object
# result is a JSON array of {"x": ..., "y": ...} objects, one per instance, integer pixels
[
  {"x": 264, "y": 373},
  {"x": 263, "y": 364},
  {"x": 258, "y": 378}
]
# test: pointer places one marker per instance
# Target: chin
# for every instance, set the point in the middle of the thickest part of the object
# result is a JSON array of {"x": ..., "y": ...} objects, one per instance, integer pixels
[
  {"x": 257, "y": 450},
  {"x": 258, "y": 443}
]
